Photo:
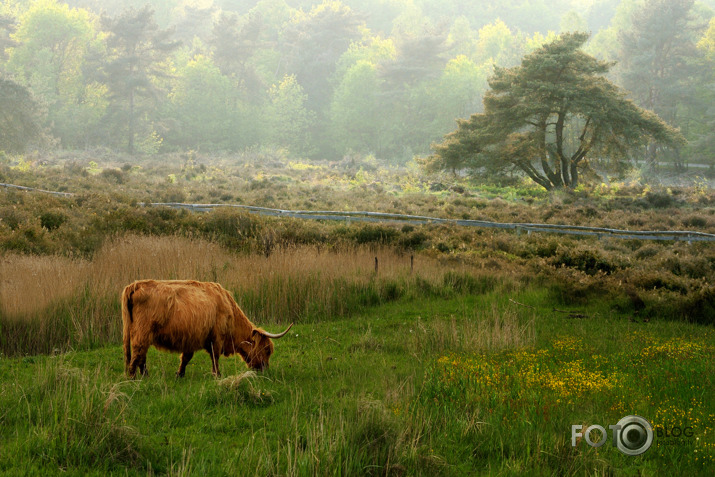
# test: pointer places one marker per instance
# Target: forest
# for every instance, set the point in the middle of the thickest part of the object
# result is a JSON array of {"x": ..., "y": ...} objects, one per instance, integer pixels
[{"x": 374, "y": 78}]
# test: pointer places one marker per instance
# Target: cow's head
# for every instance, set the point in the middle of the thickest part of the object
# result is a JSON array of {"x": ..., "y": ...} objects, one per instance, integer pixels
[{"x": 260, "y": 347}]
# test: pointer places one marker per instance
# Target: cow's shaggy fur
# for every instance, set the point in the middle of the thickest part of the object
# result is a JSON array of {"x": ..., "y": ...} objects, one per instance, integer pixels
[{"x": 186, "y": 316}]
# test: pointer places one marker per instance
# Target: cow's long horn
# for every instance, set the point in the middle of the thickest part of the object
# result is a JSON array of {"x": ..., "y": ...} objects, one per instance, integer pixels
[{"x": 276, "y": 335}]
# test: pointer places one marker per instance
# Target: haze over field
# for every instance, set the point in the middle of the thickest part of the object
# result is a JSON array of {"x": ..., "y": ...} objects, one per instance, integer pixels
[{"x": 323, "y": 80}]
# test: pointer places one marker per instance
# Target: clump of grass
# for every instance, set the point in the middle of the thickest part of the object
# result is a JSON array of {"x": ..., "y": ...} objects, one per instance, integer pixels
[
  {"x": 243, "y": 388},
  {"x": 496, "y": 330},
  {"x": 79, "y": 421},
  {"x": 464, "y": 282}
]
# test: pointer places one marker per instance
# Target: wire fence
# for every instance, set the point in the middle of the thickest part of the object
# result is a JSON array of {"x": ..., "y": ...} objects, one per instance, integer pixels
[{"x": 364, "y": 216}]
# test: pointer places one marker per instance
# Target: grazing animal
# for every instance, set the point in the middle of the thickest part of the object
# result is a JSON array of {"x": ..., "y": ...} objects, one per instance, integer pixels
[{"x": 187, "y": 316}]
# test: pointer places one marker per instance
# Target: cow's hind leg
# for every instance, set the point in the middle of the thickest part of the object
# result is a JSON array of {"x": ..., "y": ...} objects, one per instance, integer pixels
[
  {"x": 138, "y": 361},
  {"x": 185, "y": 358}
]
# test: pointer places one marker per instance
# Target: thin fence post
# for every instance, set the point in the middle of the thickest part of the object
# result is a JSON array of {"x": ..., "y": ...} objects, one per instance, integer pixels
[
  {"x": 412, "y": 264},
  {"x": 375, "y": 265}
]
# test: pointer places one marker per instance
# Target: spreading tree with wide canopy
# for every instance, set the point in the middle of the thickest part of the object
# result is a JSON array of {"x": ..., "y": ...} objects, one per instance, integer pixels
[{"x": 548, "y": 116}]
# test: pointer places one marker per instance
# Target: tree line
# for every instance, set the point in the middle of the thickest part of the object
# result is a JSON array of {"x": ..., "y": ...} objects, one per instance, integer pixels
[{"x": 329, "y": 79}]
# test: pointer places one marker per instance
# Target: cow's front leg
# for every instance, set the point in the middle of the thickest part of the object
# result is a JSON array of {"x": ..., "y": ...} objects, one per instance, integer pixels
[
  {"x": 215, "y": 352},
  {"x": 185, "y": 358}
]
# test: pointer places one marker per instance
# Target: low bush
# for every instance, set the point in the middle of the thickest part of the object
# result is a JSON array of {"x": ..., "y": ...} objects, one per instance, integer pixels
[
  {"x": 52, "y": 220},
  {"x": 587, "y": 260}
]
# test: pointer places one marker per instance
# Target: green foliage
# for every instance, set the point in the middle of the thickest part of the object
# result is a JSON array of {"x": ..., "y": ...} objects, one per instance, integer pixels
[
  {"x": 461, "y": 86},
  {"x": 355, "y": 109},
  {"x": 136, "y": 53},
  {"x": 313, "y": 43},
  {"x": 21, "y": 117},
  {"x": 53, "y": 42},
  {"x": 497, "y": 44},
  {"x": 382, "y": 78},
  {"x": 288, "y": 118},
  {"x": 547, "y": 116},
  {"x": 656, "y": 63}
]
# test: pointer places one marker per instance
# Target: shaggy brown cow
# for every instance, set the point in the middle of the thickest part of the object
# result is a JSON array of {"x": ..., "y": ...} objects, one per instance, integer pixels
[{"x": 188, "y": 316}]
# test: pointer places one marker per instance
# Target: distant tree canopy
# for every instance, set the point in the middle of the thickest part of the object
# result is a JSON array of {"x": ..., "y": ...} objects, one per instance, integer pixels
[
  {"x": 547, "y": 116},
  {"x": 7, "y": 26},
  {"x": 657, "y": 63},
  {"x": 19, "y": 117},
  {"x": 329, "y": 78},
  {"x": 137, "y": 51}
]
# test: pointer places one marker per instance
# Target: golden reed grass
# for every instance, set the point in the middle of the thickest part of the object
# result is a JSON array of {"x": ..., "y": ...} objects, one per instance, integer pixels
[
  {"x": 29, "y": 284},
  {"x": 55, "y": 303},
  {"x": 480, "y": 330}
]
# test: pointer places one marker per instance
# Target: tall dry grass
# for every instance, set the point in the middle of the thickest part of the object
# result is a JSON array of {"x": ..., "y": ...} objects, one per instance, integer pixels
[
  {"x": 30, "y": 283},
  {"x": 491, "y": 330},
  {"x": 57, "y": 302}
]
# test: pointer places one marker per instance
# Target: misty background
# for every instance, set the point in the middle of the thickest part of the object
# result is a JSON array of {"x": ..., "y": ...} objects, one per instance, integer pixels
[{"x": 382, "y": 78}]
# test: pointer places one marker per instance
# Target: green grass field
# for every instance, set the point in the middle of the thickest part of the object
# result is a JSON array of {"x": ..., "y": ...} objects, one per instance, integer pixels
[
  {"x": 476, "y": 362},
  {"x": 461, "y": 385}
]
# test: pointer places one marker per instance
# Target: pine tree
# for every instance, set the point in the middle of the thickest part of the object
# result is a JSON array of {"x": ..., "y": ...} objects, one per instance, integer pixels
[
  {"x": 137, "y": 52},
  {"x": 655, "y": 61},
  {"x": 548, "y": 115}
]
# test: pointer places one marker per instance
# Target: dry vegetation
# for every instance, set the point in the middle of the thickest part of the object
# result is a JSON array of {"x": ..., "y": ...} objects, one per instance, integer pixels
[
  {"x": 65, "y": 259},
  {"x": 75, "y": 301},
  {"x": 52, "y": 279}
]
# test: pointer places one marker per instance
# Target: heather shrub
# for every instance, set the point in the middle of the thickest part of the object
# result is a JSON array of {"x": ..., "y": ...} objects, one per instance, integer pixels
[
  {"x": 373, "y": 234},
  {"x": 587, "y": 260},
  {"x": 654, "y": 279},
  {"x": 51, "y": 220},
  {"x": 648, "y": 251},
  {"x": 659, "y": 199},
  {"x": 696, "y": 221},
  {"x": 574, "y": 287},
  {"x": 114, "y": 176}
]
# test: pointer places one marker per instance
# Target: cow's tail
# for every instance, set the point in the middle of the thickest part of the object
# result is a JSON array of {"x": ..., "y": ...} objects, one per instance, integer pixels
[{"x": 127, "y": 318}]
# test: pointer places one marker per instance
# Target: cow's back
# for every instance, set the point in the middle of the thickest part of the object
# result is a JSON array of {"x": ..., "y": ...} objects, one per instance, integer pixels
[{"x": 180, "y": 315}]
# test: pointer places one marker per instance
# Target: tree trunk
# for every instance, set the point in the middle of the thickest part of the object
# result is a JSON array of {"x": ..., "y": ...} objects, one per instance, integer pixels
[
  {"x": 553, "y": 176},
  {"x": 651, "y": 156},
  {"x": 574, "y": 175},
  {"x": 130, "y": 144},
  {"x": 560, "y": 150}
]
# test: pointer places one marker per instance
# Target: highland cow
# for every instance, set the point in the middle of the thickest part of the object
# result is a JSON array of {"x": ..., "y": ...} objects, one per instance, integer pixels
[{"x": 186, "y": 316}]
